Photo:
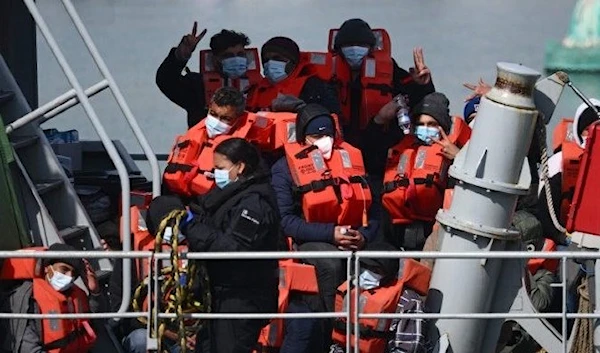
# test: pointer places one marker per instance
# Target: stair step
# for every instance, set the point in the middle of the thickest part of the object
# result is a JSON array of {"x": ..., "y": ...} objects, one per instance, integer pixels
[
  {"x": 23, "y": 141},
  {"x": 6, "y": 96},
  {"x": 48, "y": 185},
  {"x": 72, "y": 232}
]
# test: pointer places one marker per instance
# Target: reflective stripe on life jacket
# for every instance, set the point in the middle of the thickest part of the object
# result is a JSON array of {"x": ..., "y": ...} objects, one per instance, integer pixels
[
  {"x": 571, "y": 158},
  {"x": 63, "y": 335},
  {"x": 376, "y": 77},
  {"x": 293, "y": 276},
  {"x": 190, "y": 164},
  {"x": 374, "y": 333},
  {"x": 414, "y": 182},
  {"x": 312, "y": 64},
  {"x": 551, "y": 265},
  {"x": 213, "y": 80},
  {"x": 278, "y": 129},
  {"x": 334, "y": 190}
]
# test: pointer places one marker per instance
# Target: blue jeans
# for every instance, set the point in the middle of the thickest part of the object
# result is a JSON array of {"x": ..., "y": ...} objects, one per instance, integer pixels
[{"x": 135, "y": 342}]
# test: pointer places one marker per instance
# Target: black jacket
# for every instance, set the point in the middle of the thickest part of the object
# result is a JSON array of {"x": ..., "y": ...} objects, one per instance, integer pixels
[
  {"x": 187, "y": 91},
  {"x": 241, "y": 217},
  {"x": 375, "y": 140}
]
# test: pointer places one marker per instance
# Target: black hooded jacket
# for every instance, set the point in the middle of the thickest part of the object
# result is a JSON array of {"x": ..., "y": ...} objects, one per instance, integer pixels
[{"x": 241, "y": 217}]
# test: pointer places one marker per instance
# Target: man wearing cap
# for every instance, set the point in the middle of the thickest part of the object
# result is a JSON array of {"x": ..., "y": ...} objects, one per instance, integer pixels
[
  {"x": 189, "y": 90},
  {"x": 367, "y": 79},
  {"x": 54, "y": 292},
  {"x": 290, "y": 78},
  {"x": 416, "y": 175},
  {"x": 324, "y": 202}
]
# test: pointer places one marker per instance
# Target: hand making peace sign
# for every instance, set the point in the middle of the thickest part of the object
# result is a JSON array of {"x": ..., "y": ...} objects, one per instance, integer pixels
[
  {"x": 188, "y": 43},
  {"x": 449, "y": 150},
  {"x": 479, "y": 89},
  {"x": 420, "y": 72}
]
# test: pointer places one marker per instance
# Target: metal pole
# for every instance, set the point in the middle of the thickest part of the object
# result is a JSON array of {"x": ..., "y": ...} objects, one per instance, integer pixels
[
  {"x": 106, "y": 141},
  {"x": 492, "y": 171},
  {"x": 118, "y": 96},
  {"x": 58, "y": 103},
  {"x": 92, "y": 91}
]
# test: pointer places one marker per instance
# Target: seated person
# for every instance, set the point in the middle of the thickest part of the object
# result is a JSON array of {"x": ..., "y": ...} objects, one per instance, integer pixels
[
  {"x": 287, "y": 74},
  {"x": 53, "y": 291}
]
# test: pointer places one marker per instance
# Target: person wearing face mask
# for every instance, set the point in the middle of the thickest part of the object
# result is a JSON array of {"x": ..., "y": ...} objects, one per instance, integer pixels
[
  {"x": 291, "y": 73},
  {"x": 386, "y": 287},
  {"x": 228, "y": 63},
  {"x": 416, "y": 176},
  {"x": 189, "y": 169},
  {"x": 563, "y": 168},
  {"x": 240, "y": 215},
  {"x": 50, "y": 288},
  {"x": 324, "y": 201},
  {"x": 367, "y": 79}
]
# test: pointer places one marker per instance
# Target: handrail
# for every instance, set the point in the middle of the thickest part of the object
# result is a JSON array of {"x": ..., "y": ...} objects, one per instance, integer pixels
[
  {"x": 353, "y": 257},
  {"x": 106, "y": 141},
  {"x": 137, "y": 131}
]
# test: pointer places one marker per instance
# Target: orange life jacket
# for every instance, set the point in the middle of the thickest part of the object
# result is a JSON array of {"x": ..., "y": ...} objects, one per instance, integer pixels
[
  {"x": 334, "y": 190},
  {"x": 374, "y": 333},
  {"x": 144, "y": 241},
  {"x": 549, "y": 264},
  {"x": 414, "y": 182},
  {"x": 377, "y": 76},
  {"x": 275, "y": 129},
  {"x": 571, "y": 158},
  {"x": 293, "y": 276},
  {"x": 58, "y": 335},
  {"x": 311, "y": 64},
  {"x": 213, "y": 80},
  {"x": 562, "y": 132},
  {"x": 190, "y": 164},
  {"x": 460, "y": 132}
]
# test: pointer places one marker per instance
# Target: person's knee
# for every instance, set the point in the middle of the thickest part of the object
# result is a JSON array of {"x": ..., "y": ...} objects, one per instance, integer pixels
[
  {"x": 323, "y": 265},
  {"x": 135, "y": 342}
]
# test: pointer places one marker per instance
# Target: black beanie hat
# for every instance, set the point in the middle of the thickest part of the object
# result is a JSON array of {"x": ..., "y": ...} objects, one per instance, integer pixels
[
  {"x": 354, "y": 31},
  {"x": 438, "y": 106},
  {"x": 306, "y": 115},
  {"x": 387, "y": 267},
  {"x": 76, "y": 263},
  {"x": 282, "y": 45},
  {"x": 159, "y": 208}
]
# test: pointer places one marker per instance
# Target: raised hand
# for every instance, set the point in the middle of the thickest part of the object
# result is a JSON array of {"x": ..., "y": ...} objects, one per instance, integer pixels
[
  {"x": 420, "y": 72},
  {"x": 449, "y": 150},
  {"x": 90, "y": 278},
  {"x": 480, "y": 89},
  {"x": 189, "y": 42}
]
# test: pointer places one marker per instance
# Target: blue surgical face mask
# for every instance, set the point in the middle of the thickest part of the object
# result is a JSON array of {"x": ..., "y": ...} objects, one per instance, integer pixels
[
  {"x": 215, "y": 127},
  {"x": 427, "y": 134},
  {"x": 354, "y": 55},
  {"x": 222, "y": 177},
  {"x": 368, "y": 279},
  {"x": 235, "y": 67},
  {"x": 275, "y": 70}
]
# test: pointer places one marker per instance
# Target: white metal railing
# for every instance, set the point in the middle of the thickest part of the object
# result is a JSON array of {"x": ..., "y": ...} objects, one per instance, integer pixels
[{"x": 350, "y": 257}]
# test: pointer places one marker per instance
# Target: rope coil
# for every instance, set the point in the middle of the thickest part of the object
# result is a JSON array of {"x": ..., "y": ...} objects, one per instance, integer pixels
[{"x": 177, "y": 281}]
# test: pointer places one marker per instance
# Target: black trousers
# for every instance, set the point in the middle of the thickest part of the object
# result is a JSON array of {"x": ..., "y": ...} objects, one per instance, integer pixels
[{"x": 240, "y": 335}]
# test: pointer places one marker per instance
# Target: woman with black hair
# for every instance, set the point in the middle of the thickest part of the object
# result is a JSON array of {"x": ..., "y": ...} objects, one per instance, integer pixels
[{"x": 239, "y": 215}]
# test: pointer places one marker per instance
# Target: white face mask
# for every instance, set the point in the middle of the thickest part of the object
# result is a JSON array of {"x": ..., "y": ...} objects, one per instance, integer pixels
[
  {"x": 215, "y": 127},
  {"x": 325, "y": 145},
  {"x": 60, "y": 281},
  {"x": 368, "y": 280}
]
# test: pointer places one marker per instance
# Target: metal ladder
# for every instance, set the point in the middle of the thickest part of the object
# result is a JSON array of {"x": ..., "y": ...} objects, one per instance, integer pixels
[{"x": 54, "y": 211}]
